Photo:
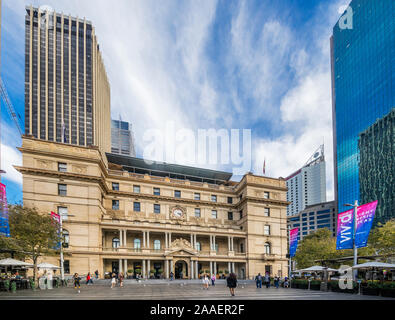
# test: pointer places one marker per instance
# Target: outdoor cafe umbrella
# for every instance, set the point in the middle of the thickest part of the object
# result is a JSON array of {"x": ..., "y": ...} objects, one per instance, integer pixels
[
  {"x": 45, "y": 265},
  {"x": 14, "y": 263},
  {"x": 374, "y": 265},
  {"x": 317, "y": 269}
]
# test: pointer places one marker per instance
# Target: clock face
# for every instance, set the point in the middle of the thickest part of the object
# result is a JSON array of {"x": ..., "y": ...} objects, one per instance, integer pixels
[{"x": 177, "y": 213}]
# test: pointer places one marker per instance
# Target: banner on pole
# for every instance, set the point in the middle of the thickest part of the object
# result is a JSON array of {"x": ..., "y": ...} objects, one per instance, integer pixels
[
  {"x": 4, "y": 221},
  {"x": 365, "y": 215},
  {"x": 345, "y": 230},
  {"x": 293, "y": 241},
  {"x": 56, "y": 217}
]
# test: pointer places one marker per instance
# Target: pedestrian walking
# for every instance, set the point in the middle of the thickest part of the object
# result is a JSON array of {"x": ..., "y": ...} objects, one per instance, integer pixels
[
  {"x": 286, "y": 282},
  {"x": 213, "y": 280},
  {"x": 276, "y": 281},
  {"x": 97, "y": 274},
  {"x": 120, "y": 278},
  {"x": 231, "y": 282},
  {"x": 77, "y": 283},
  {"x": 113, "y": 280},
  {"x": 258, "y": 280},
  {"x": 171, "y": 276},
  {"x": 267, "y": 280},
  {"x": 205, "y": 281},
  {"x": 89, "y": 279}
]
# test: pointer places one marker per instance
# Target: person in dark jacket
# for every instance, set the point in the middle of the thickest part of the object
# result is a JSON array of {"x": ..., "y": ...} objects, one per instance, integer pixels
[{"x": 232, "y": 283}]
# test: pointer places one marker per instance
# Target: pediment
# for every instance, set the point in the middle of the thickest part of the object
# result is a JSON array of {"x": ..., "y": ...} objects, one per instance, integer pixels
[{"x": 182, "y": 252}]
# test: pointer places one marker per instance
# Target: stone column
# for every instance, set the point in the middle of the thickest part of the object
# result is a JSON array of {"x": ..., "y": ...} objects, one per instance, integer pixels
[
  {"x": 195, "y": 237},
  {"x": 125, "y": 239},
  {"x": 125, "y": 266},
  {"x": 171, "y": 266},
  {"x": 211, "y": 268},
  {"x": 215, "y": 267},
  {"x": 167, "y": 269},
  {"x": 231, "y": 244},
  {"x": 143, "y": 269},
  {"x": 169, "y": 239},
  {"x": 233, "y": 267},
  {"x": 166, "y": 244},
  {"x": 193, "y": 246},
  {"x": 148, "y": 268},
  {"x": 143, "y": 239},
  {"x": 120, "y": 238},
  {"x": 214, "y": 243},
  {"x": 197, "y": 270},
  {"x": 229, "y": 267},
  {"x": 120, "y": 265},
  {"x": 191, "y": 273},
  {"x": 148, "y": 244}
]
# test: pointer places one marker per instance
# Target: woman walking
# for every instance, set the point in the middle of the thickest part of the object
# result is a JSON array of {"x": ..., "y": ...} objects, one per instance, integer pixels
[
  {"x": 232, "y": 283},
  {"x": 113, "y": 280},
  {"x": 77, "y": 280},
  {"x": 276, "y": 281},
  {"x": 121, "y": 277},
  {"x": 205, "y": 282},
  {"x": 89, "y": 279},
  {"x": 213, "y": 280}
]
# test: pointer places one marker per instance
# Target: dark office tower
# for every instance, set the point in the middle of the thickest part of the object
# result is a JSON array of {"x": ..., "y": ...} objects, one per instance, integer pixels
[
  {"x": 67, "y": 93},
  {"x": 363, "y": 85},
  {"x": 377, "y": 167}
]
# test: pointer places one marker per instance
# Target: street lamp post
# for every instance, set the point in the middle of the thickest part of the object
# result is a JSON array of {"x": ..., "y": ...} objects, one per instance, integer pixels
[{"x": 355, "y": 206}]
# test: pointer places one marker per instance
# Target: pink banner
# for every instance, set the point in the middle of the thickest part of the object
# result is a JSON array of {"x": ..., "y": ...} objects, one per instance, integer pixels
[{"x": 365, "y": 216}]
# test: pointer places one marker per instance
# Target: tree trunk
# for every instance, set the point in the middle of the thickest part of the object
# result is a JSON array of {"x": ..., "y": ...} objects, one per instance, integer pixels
[{"x": 34, "y": 268}]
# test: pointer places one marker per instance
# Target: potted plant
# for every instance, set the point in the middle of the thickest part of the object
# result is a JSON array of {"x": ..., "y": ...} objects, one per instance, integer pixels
[{"x": 130, "y": 274}]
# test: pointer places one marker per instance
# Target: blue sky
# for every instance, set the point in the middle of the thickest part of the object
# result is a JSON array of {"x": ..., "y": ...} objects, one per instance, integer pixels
[{"x": 259, "y": 65}]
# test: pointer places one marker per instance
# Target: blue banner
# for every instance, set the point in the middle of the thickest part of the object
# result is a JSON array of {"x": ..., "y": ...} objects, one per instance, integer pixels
[{"x": 345, "y": 230}]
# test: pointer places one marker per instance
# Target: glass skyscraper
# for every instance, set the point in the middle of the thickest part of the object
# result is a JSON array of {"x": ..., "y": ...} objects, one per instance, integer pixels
[
  {"x": 122, "y": 141},
  {"x": 363, "y": 86}
]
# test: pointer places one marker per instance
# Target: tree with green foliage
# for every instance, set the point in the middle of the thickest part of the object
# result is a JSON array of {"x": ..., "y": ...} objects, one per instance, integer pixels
[
  {"x": 382, "y": 238},
  {"x": 320, "y": 245},
  {"x": 32, "y": 234}
]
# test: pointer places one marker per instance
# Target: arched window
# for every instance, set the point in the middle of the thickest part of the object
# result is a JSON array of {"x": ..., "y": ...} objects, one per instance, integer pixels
[
  {"x": 116, "y": 243},
  {"x": 157, "y": 245},
  {"x": 137, "y": 243},
  {"x": 66, "y": 238},
  {"x": 268, "y": 249},
  {"x": 198, "y": 246}
]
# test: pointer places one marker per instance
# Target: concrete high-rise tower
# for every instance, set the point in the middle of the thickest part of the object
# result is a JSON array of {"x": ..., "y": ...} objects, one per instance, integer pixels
[
  {"x": 307, "y": 186},
  {"x": 67, "y": 93}
]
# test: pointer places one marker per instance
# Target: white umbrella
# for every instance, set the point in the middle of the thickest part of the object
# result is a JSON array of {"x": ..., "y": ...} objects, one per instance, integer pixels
[
  {"x": 45, "y": 265},
  {"x": 317, "y": 269},
  {"x": 374, "y": 264},
  {"x": 14, "y": 263}
]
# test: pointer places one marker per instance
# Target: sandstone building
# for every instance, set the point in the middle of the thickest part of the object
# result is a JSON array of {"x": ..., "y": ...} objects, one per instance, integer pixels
[{"x": 122, "y": 214}]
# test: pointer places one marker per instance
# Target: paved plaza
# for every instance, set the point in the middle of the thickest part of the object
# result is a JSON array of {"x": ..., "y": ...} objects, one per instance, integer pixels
[{"x": 178, "y": 290}]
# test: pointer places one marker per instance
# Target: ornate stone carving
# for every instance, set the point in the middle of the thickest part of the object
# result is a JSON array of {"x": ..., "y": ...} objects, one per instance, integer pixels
[
  {"x": 44, "y": 164},
  {"x": 79, "y": 169},
  {"x": 181, "y": 244}
]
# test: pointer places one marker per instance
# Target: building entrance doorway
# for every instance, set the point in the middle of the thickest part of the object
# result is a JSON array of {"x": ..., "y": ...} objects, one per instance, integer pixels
[
  {"x": 181, "y": 270},
  {"x": 115, "y": 267}
]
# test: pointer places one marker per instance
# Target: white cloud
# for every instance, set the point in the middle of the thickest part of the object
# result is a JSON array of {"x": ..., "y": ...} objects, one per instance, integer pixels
[{"x": 10, "y": 156}]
